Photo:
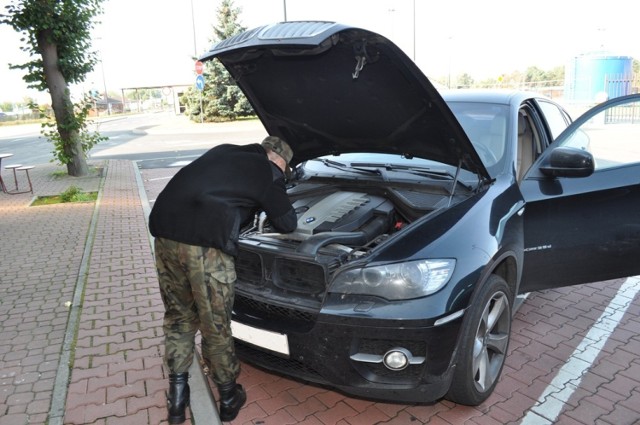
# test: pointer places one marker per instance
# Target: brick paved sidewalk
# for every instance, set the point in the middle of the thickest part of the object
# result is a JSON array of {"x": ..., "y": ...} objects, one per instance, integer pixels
[
  {"x": 40, "y": 259},
  {"x": 118, "y": 355},
  {"x": 88, "y": 268}
]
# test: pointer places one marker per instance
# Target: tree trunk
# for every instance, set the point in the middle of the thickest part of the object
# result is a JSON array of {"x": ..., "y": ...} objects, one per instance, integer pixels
[{"x": 62, "y": 107}]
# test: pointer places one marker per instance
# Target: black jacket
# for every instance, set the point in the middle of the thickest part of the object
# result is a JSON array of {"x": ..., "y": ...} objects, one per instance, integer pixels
[{"x": 207, "y": 201}]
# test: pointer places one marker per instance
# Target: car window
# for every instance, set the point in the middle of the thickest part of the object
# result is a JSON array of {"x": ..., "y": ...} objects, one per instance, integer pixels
[
  {"x": 557, "y": 119},
  {"x": 612, "y": 136},
  {"x": 363, "y": 163},
  {"x": 529, "y": 145},
  {"x": 486, "y": 126}
]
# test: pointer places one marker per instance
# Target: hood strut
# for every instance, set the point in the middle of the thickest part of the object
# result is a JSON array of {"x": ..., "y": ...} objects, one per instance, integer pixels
[{"x": 455, "y": 183}]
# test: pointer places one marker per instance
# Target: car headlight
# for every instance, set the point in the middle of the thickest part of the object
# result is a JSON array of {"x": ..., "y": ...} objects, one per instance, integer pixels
[{"x": 399, "y": 281}]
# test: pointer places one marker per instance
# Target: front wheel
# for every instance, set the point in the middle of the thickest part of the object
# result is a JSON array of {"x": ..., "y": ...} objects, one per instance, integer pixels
[{"x": 483, "y": 344}]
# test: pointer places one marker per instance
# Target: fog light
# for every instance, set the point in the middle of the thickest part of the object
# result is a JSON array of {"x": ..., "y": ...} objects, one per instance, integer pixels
[{"x": 396, "y": 359}]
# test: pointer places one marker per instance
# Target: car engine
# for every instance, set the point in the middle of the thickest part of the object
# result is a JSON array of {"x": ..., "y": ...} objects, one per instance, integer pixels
[
  {"x": 335, "y": 226},
  {"x": 352, "y": 219}
]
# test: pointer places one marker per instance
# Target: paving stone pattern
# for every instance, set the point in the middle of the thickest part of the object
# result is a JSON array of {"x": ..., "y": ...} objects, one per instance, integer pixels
[
  {"x": 118, "y": 367},
  {"x": 40, "y": 257},
  {"x": 545, "y": 332},
  {"x": 117, "y": 376}
]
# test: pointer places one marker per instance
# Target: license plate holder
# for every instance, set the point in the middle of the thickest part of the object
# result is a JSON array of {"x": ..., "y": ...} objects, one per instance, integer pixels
[{"x": 273, "y": 341}]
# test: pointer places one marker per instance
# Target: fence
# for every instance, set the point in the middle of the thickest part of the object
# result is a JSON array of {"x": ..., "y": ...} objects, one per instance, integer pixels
[{"x": 627, "y": 114}]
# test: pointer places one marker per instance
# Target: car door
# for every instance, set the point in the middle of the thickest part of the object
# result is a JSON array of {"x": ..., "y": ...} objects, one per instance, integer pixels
[{"x": 582, "y": 201}]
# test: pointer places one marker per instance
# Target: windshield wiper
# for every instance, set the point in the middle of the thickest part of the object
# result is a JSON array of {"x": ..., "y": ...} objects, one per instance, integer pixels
[
  {"x": 344, "y": 167},
  {"x": 421, "y": 171}
]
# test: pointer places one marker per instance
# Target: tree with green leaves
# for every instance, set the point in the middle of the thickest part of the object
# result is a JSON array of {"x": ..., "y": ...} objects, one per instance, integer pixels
[
  {"x": 57, "y": 36},
  {"x": 464, "y": 81},
  {"x": 221, "y": 98}
]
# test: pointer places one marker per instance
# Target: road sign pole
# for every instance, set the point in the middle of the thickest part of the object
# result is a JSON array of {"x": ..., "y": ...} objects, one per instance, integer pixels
[
  {"x": 200, "y": 86},
  {"x": 201, "y": 109}
]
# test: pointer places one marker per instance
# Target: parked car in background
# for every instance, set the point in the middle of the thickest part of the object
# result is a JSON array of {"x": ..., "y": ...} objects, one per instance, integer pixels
[{"x": 421, "y": 215}]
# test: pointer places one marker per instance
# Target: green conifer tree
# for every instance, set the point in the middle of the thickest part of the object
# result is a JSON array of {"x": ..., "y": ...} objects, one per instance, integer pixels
[{"x": 222, "y": 100}]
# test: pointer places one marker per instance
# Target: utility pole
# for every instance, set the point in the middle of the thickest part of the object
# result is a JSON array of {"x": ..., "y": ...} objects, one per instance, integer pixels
[
  {"x": 193, "y": 25},
  {"x": 195, "y": 55}
]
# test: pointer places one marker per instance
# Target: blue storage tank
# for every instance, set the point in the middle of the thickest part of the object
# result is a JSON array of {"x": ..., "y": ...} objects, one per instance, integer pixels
[{"x": 594, "y": 77}]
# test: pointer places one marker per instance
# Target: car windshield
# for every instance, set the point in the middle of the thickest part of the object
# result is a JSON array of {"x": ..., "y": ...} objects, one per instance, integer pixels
[
  {"x": 366, "y": 165},
  {"x": 486, "y": 125}
]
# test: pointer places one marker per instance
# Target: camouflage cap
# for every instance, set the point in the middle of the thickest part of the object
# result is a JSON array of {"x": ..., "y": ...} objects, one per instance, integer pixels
[{"x": 278, "y": 146}]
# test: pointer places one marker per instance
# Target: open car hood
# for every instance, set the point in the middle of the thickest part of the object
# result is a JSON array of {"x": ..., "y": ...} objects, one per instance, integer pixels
[{"x": 328, "y": 89}]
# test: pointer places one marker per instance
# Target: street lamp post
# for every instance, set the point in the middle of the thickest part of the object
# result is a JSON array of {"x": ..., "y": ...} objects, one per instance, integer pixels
[
  {"x": 449, "y": 71},
  {"x": 193, "y": 25},
  {"x": 414, "y": 30},
  {"x": 195, "y": 56},
  {"x": 104, "y": 82}
]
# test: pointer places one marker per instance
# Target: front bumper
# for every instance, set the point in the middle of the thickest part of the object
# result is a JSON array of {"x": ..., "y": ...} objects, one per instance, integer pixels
[{"x": 328, "y": 349}]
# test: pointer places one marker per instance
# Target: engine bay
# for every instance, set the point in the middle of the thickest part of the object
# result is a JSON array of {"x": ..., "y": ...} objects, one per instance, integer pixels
[{"x": 348, "y": 218}]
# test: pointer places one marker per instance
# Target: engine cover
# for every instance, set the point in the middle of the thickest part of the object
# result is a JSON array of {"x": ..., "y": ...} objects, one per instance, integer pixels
[{"x": 338, "y": 212}]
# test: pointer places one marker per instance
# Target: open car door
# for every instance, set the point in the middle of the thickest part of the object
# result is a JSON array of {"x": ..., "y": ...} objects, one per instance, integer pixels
[{"x": 582, "y": 211}]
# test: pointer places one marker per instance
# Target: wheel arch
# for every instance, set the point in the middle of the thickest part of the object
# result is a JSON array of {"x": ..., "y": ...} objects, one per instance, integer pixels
[{"x": 507, "y": 268}]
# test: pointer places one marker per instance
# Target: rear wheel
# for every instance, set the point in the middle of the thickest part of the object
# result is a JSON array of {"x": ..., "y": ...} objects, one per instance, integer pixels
[{"x": 484, "y": 343}]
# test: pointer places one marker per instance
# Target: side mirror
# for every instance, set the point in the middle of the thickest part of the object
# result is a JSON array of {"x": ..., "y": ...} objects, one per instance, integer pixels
[{"x": 568, "y": 162}]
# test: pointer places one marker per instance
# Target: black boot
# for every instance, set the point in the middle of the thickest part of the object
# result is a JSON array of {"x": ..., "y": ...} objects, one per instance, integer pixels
[
  {"x": 179, "y": 396},
  {"x": 232, "y": 398}
]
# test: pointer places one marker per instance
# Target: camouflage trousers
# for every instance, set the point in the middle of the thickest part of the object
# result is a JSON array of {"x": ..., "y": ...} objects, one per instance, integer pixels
[{"x": 197, "y": 288}]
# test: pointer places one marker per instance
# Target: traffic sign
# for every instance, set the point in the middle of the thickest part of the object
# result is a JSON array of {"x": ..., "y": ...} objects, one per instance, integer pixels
[
  {"x": 199, "y": 67},
  {"x": 200, "y": 82}
]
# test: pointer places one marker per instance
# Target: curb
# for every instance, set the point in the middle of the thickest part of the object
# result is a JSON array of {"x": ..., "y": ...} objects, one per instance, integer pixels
[
  {"x": 203, "y": 404},
  {"x": 63, "y": 372}
]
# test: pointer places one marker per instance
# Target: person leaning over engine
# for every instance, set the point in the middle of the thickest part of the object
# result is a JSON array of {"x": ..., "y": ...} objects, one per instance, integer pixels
[{"x": 196, "y": 222}]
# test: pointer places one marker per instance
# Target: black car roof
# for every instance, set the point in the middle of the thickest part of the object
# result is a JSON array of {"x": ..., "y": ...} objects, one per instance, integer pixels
[{"x": 498, "y": 96}]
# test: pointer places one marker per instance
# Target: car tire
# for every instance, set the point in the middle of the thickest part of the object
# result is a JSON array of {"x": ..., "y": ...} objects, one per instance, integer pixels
[{"x": 483, "y": 345}]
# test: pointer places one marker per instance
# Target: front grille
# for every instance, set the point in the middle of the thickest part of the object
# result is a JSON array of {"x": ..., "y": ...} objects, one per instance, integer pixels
[
  {"x": 281, "y": 275},
  {"x": 299, "y": 276},
  {"x": 293, "y": 318},
  {"x": 275, "y": 363},
  {"x": 249, "y": 267}
]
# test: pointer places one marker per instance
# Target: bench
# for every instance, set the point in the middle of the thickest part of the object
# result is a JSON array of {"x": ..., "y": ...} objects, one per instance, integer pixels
[{"x": 14, "y": 168}]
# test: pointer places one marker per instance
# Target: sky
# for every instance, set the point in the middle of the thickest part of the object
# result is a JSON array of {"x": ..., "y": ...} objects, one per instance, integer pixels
[{"x": 143, "y": 43}]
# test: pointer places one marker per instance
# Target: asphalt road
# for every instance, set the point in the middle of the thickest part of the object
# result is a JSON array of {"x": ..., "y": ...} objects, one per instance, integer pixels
[{"x": 153, "y": 140}]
